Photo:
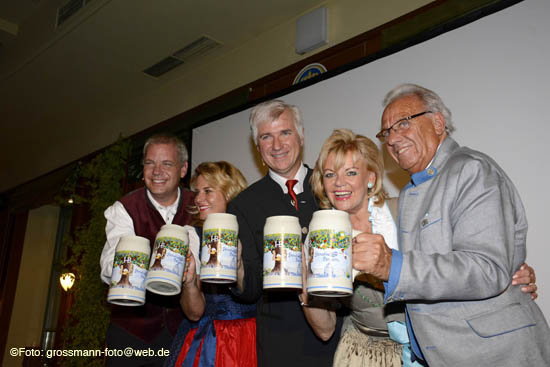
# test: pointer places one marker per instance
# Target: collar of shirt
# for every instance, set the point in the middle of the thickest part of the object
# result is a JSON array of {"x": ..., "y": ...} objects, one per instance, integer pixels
[
  {"x": 300, "y": 176},
  {"x": 427, "y": 173},
  {"x": 166, "y": 212}
]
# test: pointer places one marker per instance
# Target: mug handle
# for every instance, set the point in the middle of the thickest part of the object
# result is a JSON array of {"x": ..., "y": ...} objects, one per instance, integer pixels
[
  {"x": 354, "y": 272},
  {"x": 194, "y": 246}
]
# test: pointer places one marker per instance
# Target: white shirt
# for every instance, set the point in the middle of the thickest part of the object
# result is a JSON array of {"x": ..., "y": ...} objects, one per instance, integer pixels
[
  {"x": 119, "y": 224},
  {"x": 300, "y": 176},
  {"x": 166, "y": 212},
  {"x": 383, "y": 223}
]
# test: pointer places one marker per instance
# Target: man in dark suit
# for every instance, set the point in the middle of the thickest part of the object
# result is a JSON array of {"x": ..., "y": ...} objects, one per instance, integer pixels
[{"x": 283, "y": 336}]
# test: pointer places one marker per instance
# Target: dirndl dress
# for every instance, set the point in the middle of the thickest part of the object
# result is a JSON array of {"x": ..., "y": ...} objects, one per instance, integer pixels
[
  {"x": 374, "y": 334},
  {"x": 224, "y": 336}
]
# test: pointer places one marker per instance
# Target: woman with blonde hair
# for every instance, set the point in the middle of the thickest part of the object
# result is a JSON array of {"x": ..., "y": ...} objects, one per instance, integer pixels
[
  {"x": 348, "y": 177},
  {"x": 218, "y": 330}
]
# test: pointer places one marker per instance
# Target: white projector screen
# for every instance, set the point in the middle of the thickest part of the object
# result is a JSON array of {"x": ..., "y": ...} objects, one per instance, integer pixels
[{"x": 494, "y": 76}]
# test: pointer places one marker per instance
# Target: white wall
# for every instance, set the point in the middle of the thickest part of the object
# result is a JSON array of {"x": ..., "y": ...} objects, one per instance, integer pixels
[{"x": 493, "y": 75}]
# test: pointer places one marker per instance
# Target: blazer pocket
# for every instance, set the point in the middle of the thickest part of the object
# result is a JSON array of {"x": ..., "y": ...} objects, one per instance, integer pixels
[
  {"x": 430, "y": 232},
  {"x": 430, "y": 219},
  {"x": 506, "y": 320}
]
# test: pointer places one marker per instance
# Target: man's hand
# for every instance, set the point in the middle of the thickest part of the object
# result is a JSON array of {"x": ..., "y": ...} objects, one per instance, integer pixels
[
  {"x": 371, "y": 255},
  {"x": 240, "y": 266},
  {"x": 303, "y": 296}
]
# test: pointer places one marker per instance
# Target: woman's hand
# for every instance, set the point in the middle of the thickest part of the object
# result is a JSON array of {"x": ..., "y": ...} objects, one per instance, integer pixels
[
  {"x": 320, "y": 317},
  {"x": 190, "y": 273},
  {"x": 526, "y": 276},
  {"x": 192, "y": 300}
]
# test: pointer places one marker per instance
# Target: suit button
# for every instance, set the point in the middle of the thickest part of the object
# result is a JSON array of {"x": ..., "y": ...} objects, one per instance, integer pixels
[{"x": 304, "y": 230}]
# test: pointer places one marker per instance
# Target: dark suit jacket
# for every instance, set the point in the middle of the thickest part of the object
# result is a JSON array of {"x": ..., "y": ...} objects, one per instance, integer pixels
[{"x": 284, "y": 338}]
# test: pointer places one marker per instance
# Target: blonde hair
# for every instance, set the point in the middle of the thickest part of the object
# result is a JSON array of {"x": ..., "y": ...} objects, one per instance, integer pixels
[
  {"x": 340, "y": 143},
  {"x": 222, "y": 176}
]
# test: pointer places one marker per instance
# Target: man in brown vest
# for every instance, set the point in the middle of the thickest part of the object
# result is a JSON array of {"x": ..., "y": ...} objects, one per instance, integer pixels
[{"x": 142, "y": 213}]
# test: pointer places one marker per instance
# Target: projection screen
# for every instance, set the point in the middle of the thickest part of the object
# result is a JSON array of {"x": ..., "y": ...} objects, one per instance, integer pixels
[{"x": 493, "y": 75}]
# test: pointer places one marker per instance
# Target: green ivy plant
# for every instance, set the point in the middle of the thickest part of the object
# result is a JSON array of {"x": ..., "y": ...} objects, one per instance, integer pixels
[{"x": 88, "y": 317}]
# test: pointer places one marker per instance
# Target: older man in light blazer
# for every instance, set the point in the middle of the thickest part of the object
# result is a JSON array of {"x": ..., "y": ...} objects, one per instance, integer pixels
[{"x": 462, "y": 231}]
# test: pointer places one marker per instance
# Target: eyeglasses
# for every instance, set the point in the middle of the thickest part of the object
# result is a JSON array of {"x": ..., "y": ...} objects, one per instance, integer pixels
[{"x": 399, "y": 126}]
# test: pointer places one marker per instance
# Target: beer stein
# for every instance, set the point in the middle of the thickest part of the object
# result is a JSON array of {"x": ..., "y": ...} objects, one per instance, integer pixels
[
  {"x": 328, "y": 254},
  {"x": 130, "y": 264},
  {"x": 168, "y": 260},
  {"x": 282, "y": 252},
  {"x": 219, "y": 248}
]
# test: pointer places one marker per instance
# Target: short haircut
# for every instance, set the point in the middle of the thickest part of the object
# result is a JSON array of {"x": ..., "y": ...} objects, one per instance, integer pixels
[
  {"x": 431, "y": 99},
  {"x": 167, "y": 138},
  {"x": 270, "y": 111},
  {"x": 340, "y": 143}
]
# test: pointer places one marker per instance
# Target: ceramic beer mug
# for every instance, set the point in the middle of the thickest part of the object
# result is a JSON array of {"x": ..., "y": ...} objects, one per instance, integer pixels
[
  {"x": 130, "y": 265},
  {"x": 328, "y": 254},
  {"x": 219, "y": 248},
  {"x": 282, "y": 252},
  {"x": 168, "y": 260}
]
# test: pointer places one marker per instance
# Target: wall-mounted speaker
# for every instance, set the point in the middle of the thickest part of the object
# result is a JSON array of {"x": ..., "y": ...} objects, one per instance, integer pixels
[{"x": 312, "y": 30}]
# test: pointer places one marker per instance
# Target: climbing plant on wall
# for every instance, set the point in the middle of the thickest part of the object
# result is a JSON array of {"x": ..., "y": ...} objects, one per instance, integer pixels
[{"x": 88, "y": 319}]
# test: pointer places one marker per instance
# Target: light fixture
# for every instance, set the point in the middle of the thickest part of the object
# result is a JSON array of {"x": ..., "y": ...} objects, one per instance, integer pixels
[
  {"x": 70, "y": 201},
  {"x": 66, "y": 280}
]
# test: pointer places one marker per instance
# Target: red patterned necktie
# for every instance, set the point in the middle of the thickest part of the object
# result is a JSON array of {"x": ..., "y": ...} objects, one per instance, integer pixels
[{"x": 290, "y": 184}]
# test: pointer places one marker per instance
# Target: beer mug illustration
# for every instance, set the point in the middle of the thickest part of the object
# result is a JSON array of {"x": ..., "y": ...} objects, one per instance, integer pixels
[
  {"x": 328, "y": 254},
  {"x": 168, "y": 260},
  {"x": 219, "y": 248},
  {"x": 282, "y": 252},
  {"x": 130, "y": 265}
]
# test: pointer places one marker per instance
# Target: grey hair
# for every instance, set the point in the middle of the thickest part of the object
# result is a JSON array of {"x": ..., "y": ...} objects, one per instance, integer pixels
[
  {"x": 431, "y": 99},
  {"x": 167, "y": 138},
  {"x": 269, "y": 111}
]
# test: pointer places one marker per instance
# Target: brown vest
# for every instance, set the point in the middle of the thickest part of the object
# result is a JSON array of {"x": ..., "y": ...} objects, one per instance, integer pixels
[{"x": 147, "y": 321}]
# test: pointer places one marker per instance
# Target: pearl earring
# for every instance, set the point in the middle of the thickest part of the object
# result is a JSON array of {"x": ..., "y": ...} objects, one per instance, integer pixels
[{"x": 370, "y": 185}]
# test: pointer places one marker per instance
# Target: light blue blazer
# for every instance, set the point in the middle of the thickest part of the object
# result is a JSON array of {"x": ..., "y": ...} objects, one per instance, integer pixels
[{"x": 462, "y": 230}]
